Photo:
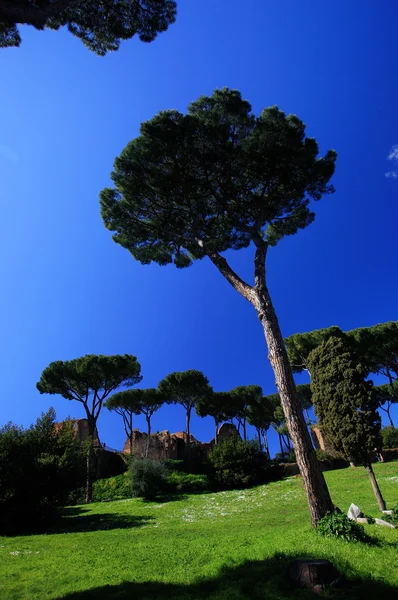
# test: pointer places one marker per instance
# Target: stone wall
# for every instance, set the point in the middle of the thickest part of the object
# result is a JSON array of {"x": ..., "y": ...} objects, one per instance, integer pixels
[
  {"x": 165, "y": 445},
  {"x": 321, "y": 442}
]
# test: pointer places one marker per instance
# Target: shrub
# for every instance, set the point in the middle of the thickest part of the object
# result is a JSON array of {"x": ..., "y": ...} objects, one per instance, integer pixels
[
  {"x": 323, "y": 456},
  {"x": 188, "y": 482},
  {"x": 237, "y": 464},
  {"x": 148, "y": 478},
  {"x": 338, "y": 525},
  {"x": 389, "y": 436},
  {"x": 38, "y": 468}
]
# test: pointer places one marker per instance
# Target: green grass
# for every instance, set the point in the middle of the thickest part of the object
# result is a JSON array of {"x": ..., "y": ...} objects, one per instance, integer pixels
[{"x": 230, "y": 545}]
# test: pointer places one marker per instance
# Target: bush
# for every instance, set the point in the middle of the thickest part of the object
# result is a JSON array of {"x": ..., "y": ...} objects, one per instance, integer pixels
[
  {"x": 237, "y": 464},
  {"x": 188, "y": 482},
  {"x": 389, "y": 436},
  {"x": 38, "y": 468},
  {"x": 338, "y": 525},
  {"x": 149, "y": 478},
  {"x": 323, "y": 456}
]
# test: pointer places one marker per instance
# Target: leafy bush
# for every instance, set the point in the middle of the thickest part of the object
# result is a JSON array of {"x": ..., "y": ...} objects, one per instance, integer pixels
[
  {"x": 174, "y": 465},
  {"x": 389, "y": 436},
  {"x": 322, "y": 455},
  {"x": 104, "y": 490},
  {"x": 338, "y": 525},
  {"x": 38, "y": 468},
  {"x": 149, "y": 478},
  {"x": 237, "y": 464},
  {"x": 188, "y": 482}
]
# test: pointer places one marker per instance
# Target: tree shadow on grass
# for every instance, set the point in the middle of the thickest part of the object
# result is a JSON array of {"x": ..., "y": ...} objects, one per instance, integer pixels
[
  {"x": 253, "y": 580},
  {"x": 76, "y": 519}
]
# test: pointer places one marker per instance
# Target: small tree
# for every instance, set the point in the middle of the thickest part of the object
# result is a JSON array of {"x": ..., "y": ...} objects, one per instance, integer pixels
[
  {"x": 126, "y": 404},
  {"x": 219, "y": 178},
  {"x": 345, "y": 405},
  {"x": 139, "y": 402},
  {"x": 100, "y": 24},
  {"x": 259, "y": 415},
  {"x": 39, "y": 466},
  {"x": 242, "y": 396},
  {"x": 305, "y": 395},
  {"x": 386, "y": 395},
  {"x": 216, "y": 405},
  {"x": 187, "y": 389},
  {"x": 90, "y": 380}
]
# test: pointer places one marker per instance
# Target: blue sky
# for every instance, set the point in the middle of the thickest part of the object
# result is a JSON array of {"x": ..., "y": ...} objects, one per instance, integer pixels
[{"x": 68, "y": 290}]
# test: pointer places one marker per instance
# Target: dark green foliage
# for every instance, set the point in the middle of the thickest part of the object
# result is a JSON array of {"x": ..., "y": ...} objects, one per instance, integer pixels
[
  {"x": 149, "y": 478},
  {"x": 237, "y": 464},
  {"x": 105, "y": 490},
  {"x": 39, "y": 466},
  {"x": 89, "y": 380},
  {"x": 338, "y": 525},
  {"x": 135, "y": 402},
  {"x": 213, "y": 180},
  {"x": 387, "y": 395},
  {"x": 377, "y": 346},
  {"x": 186, "y": 388},
  {"x": 188, "y": 482},
  {"x": 100, "y": 24},
  {"x": 241, "y": 398},
  {"x": 216, "y": 405},
  {"x": 389, "y": 437},
  {"x": 343, "y": 400}
]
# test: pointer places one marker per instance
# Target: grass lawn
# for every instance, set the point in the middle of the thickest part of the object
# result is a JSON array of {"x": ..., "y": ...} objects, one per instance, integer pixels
[{"x": 230, "y": 545}]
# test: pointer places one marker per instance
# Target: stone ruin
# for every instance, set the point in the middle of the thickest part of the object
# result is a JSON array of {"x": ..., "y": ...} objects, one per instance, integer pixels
[
  {"x": 165, "y": 445},
  {"x": 80, "y": 427}
]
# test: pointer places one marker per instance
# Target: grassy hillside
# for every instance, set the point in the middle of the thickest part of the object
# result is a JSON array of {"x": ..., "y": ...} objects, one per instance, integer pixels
[{"x": 230, "y": 545}]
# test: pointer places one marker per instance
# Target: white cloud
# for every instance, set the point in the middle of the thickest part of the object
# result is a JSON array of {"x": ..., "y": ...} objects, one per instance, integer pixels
[
  {"x": 7, "y": 153},
  {"x": 392, "y": 174},
  {"x": 393, "y": 153}
]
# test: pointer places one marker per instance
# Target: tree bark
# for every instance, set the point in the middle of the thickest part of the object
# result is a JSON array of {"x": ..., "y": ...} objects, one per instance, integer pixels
[
  {"x": 375, "y": 486},
  {"x": 244, "y": 430},
  {"x": 318, "y": 496},
  {"x": 216, "y": 436},
  {"x": 259, "y": 438},
  {"x": 187, "y": 429},
  {"x": 23, "y": 12},
  {"x": 148, "y": 420},
  {"x": 281, "y": 445},
  {"x": 89, "y": 459},
  {"x": 266, "y": 445}
]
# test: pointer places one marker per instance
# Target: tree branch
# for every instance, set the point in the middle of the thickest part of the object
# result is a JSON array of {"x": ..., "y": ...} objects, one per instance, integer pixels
[{"x": 222, "y": 265}]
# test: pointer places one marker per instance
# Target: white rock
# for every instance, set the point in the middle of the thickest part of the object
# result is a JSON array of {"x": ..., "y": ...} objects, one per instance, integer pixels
[
  {"x": 385, "y": 523},
  {"x": 354, "y": 512},
  {"x": 362, "y": 520},
  {"x": 387, "y": 512}
]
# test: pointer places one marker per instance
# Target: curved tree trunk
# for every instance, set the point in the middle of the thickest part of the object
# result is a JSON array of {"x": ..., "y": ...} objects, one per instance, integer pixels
[
  {"x": 244, "y": 430},
  {"x": 216, "y": 436},
  {"x": 259, "y": 439},
  {"x": 281, "y": 445},
  {"x": 375, "y": 486},
  {"x": 266, "y": 445},
  {"x": 318, "y": 496}
]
